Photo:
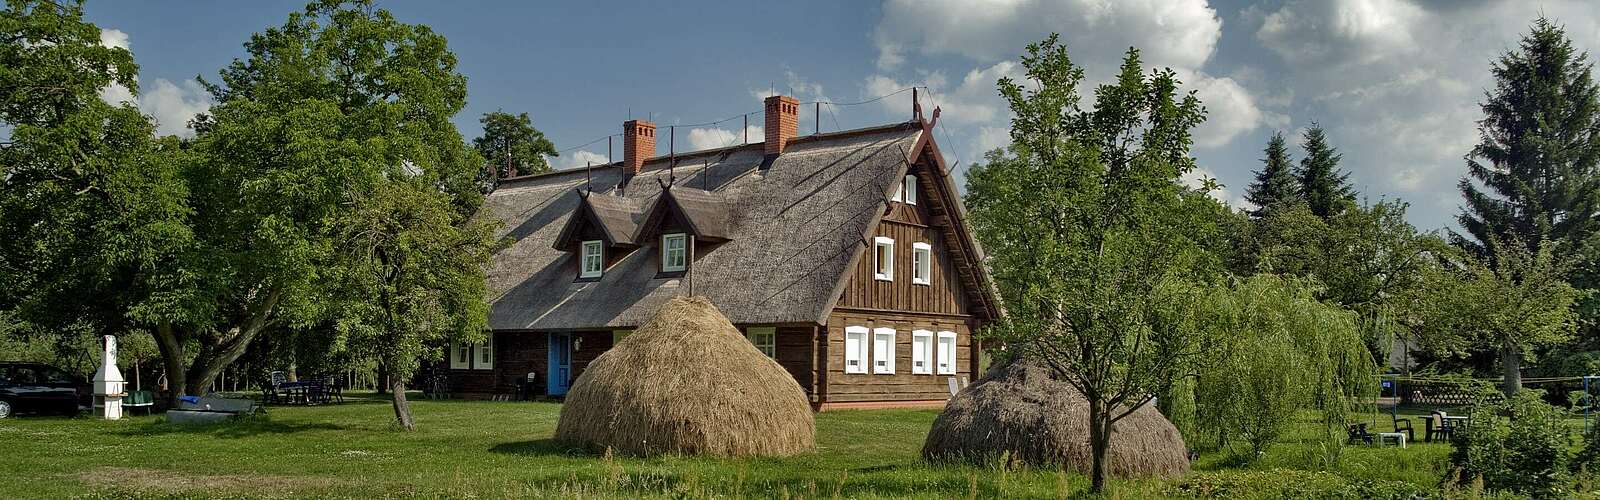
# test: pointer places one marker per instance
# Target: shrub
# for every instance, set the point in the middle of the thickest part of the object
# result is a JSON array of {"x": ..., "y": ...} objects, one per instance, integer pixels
[{"x": 1517, "y": 445}]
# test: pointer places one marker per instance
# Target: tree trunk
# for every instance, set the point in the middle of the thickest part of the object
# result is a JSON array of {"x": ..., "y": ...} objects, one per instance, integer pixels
[
  {"x": 383, "y": 377},
  {"x": 1511, "y": 359},
  {"x": 1099, "y": 442},
  {"x": 172, "y": 362},
  {"x": 402, "y": 408}
]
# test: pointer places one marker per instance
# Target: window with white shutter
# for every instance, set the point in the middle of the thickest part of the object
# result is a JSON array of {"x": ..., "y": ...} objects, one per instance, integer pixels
[
  {"x": 921, "y": 266},
  {"x": 485, "y": 358},
  {"x": 883, "y": 350},
  {"x": 855, "y": 349},
  {"x": 921, "y": 352},
  {"x": 947, "y": 353}
]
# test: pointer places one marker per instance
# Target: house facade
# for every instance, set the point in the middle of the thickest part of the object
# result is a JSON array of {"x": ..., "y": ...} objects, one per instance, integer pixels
[{"x": 845, "y": 256}]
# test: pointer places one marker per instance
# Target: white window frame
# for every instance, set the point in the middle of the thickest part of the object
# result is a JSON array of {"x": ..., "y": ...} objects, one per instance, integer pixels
[
  {"x": 883, "y": 362},
  {"x": 667, "y": 252},
  {"x": 460, "y": 356},
  {"x": 855, "y": 349},
  {"x": 909, "y": 186},
  {"x": 947, "y": 358},
  {"x": 483, "y": 355},
  {"x": 592, "y": 249},
  {"x": 921, "y": 263},
  {"x": 899, "y": 192},
  {"x": 765, "y": 338},
  {"x": 921, "y": 352},
  {"x": 880, "y": 271}
]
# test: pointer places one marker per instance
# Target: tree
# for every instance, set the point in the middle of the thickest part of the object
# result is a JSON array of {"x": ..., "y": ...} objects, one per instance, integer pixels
[
  {"x": 1283, "y": 350},
  {"x": 90, "y": 200},
  {"x": 512, "y": 145},
  {"x": 1089, "y": 239},
  {"x": 1539, "y": 142},
  {"x": 1512, "y": 304},
  {"x": 1325, "y": 188},
  {"x": 1275, "y": 185},
  {"x": 416, "y": 281}
]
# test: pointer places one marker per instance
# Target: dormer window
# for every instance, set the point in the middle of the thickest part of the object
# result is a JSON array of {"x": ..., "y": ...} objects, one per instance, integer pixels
[
  {"x": 909, "y": 186},
  {"x": 883, "y": 258},
  {"x": 593, "y": 259},
  {"x": 674, "y": 252}
]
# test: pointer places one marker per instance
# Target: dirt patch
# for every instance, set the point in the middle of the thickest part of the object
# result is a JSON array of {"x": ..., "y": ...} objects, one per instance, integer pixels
[{"x": 172, "y": 482}]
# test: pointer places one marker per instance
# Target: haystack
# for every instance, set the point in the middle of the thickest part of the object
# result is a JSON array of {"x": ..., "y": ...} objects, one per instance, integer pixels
[
  {"x": 687, "y": 382},
  {"x": 1021, "y": 411}
]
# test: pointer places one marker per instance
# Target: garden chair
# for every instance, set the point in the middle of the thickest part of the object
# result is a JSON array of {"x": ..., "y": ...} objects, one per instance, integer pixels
[
  {"x": 1404, "y": 425},
  {"x": 1358, "y": 434}
]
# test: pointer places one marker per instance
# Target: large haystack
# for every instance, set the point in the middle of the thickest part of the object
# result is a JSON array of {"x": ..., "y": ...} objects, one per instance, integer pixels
[
  {"x": 687, "y": 382},
  {"x": 1021, "y": 408}
]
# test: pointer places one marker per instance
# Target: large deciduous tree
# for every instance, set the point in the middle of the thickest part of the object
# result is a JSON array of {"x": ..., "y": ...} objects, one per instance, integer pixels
[
  {"x": 89, "y": 200},
  {"x": 1090, "y": 239},
  {"x": 512, "y": 146},
  {"x": 1512, "y": 304}
]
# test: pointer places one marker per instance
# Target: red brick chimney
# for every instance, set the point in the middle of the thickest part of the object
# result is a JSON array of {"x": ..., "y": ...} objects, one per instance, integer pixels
[
  {"x": 783, "y": 122},
  {"x": 638, "y": 144}
]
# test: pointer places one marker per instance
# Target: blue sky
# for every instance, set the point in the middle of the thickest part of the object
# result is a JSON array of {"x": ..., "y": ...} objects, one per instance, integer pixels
[{"x": 1395, "y": 82}]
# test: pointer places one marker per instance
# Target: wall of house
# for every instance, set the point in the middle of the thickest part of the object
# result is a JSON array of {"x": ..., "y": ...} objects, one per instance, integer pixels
[{"x": 902, "y": 385}]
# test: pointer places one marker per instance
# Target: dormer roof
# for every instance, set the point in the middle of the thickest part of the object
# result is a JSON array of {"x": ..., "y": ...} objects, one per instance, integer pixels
[
  {"x": 703, "y": 214},
  {"x": 615, "y": 218}
]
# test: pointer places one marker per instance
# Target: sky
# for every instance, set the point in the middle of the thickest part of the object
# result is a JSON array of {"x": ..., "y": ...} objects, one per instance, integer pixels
[{"x": 1395, "y": 83}]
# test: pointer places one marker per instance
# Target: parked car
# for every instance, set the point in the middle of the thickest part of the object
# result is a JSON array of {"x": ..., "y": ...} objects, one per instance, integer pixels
[{"x": 40, "y": 388}]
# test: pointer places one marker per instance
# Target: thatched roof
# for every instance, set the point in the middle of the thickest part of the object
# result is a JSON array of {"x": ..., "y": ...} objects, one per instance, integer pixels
[
  {"x": 793, "y": 229},
  {"x": 1020, "y": 408},
  {"x": 687, "y": 383}
]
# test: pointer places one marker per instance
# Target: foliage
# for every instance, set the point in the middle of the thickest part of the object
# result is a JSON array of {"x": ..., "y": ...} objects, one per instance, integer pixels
[
  {"x": 1326, "y": 189},
  {"x": 1519, "y": 445},
  {"x": 1513, "y": 304},
  {"x": 1282, "y": 351},
  {"x": 512, "y": 146},
  {"x": 1275, "y": 185},
  {"x": 1539, "y": 143},
  {"x": 88, "y": 199},
  {"x": 1086, "y": 228}
]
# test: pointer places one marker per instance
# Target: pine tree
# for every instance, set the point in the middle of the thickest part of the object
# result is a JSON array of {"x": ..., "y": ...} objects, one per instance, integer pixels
[
  {"x": 1325, "y": 188},
  {"x": 1538, "y": 148},
  {"x": 1275, "y": 185}
]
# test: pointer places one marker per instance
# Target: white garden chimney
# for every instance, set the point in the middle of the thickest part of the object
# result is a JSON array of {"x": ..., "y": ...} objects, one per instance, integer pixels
[{"x": 108, "y": 383}]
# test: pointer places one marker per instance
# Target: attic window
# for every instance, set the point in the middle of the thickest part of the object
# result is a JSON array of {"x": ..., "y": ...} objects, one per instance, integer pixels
[
  {"x": 593, "y": 259},
  {"x": 909, "y": 186},
  {"x": 674, "y": 250},
  {"x": 883, "y": 258},
  {"x": 921, "y": 269}
]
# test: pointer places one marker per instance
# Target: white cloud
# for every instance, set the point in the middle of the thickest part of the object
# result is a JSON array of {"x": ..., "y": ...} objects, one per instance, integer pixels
[
  {"x": 576, "y": 159},
  {"x": 170, "y": 105},
  {"x": 1196, "y": 179},
  {"x": 1230, "y": 110},
  {"x": 1177, "y": 33},
  {"x": 713, "y": 138}
]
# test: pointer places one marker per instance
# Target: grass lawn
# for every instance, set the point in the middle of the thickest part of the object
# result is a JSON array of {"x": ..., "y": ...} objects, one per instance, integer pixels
[{"x": 503, "y": 449}]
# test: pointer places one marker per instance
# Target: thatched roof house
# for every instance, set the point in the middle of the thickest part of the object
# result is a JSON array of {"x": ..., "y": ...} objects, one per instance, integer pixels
[
  {"x": 843, "y": 255},
  {"x": 1021, "y": 411},
  {"x": 742, "y": 404}
]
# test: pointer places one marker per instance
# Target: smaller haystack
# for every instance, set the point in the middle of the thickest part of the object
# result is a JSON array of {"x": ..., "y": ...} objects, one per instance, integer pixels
[
  {"x": 687, "y": 382},
  {"x": 1021, "y": 408}
]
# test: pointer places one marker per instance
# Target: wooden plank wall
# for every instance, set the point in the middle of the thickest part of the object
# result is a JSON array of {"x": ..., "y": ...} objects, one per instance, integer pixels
[
  {"x": 516, "y": 354},
  {"x": 903, "y": 223},
  {"x": 901, "y": 385}
]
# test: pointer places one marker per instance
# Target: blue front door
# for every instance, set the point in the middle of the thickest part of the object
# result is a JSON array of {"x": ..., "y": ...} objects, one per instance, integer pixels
[{"x": 560, "y": 364}]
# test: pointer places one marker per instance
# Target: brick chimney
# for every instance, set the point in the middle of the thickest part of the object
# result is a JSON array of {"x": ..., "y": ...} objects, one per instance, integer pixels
[
  {"x": 638, "y": 144},
  {"x": 783, "y": 122}
]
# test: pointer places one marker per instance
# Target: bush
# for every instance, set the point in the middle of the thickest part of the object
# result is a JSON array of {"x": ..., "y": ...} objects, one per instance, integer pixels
[
  {"x": 1517, "y": 445},
  {"x": 1291, "y": 483}
]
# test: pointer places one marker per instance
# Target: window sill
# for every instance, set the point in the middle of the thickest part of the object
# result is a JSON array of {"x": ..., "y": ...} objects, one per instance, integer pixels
[
  {"x": 587, "y": 279},
  {"x": 880, "y": 277},
  {"x": 923, "y": 283},
  {"x": 669, "y": 274}
]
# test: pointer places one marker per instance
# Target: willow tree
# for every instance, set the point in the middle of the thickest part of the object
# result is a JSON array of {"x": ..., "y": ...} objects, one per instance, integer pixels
[
  {"x": 1282, "y": 351},
  {"x": 1090, "y": 235}
]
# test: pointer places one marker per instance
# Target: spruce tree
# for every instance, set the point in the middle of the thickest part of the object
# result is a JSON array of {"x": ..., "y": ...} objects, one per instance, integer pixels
[
  {"x": 1275, "y": 185},
  {"x": 1326, "y": 189},
  {"x": 1537, "y": 150}
]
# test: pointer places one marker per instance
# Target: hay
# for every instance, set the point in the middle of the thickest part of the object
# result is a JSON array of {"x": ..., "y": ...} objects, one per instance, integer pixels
[
  {"x": 1020, "y": 411},
  {"x": 687, "y": 382}
]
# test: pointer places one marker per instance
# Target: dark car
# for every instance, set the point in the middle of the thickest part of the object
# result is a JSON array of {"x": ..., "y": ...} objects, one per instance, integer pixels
[{"x": 40, "y": 388}]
